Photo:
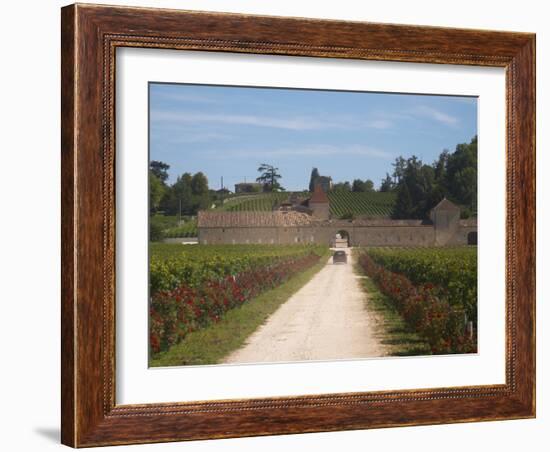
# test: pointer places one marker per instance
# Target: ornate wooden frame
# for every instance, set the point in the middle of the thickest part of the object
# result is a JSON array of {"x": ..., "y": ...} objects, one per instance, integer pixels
[{"x": 90, "y": 35}]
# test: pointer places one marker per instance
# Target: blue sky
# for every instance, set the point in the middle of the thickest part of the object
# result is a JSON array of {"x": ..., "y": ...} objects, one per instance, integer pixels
[{"x": 229, "y": 131}]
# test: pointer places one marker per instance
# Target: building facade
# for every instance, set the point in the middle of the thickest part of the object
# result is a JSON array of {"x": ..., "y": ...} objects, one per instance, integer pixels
[{"x": 315, "y": 226}]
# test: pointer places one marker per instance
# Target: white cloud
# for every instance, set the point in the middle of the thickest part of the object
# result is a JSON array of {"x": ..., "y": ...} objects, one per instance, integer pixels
[
  {"x": 199, "y": 137},
  {"x": 379, "y": 124},
  {"x": 296, "y": 123},
  {"x": 436, "y": 115},
  {"x": 315, "y": 150},
  {"x": 288, "y": 123}
]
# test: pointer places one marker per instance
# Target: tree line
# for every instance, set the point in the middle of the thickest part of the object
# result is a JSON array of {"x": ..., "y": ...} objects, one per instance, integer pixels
[
  {"x": 187, "y": 195},
  {"x": 418, "y": 186},
  {"x": 357, "y": 185},
  {"x": 191, "y": 193}
]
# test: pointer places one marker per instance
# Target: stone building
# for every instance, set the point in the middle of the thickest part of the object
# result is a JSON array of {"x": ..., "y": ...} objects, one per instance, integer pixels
[{"x": 314, "y": 225}]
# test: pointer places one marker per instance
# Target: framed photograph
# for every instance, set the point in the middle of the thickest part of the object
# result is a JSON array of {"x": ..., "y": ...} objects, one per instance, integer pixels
[{"x": 282, "y": 225}]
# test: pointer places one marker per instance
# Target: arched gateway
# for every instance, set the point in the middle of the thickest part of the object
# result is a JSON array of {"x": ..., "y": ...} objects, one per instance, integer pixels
[{"x": 341, "y": 239}]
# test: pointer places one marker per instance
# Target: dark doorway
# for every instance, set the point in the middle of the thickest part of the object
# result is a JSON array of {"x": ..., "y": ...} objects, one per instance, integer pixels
[{"x": 472, "y": 238}]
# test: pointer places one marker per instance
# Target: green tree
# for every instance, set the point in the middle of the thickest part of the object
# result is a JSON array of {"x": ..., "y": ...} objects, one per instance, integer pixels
[
  {"x": 420, "y": 187},
  {"x": 269, "y": 177},
  {"x": 313, "y": 179},
  {"x": 358, "y": 186},
  {"x": 461, "y": 174},
  {"x": 160, "y": 170},
  {"x": 369, "y": 186},
  {"x": 403, "y": 206},
  {"x": 156, "y": 192},
  {"x": 387, "y": 184},
  {"x": 398, "y": 169},
  {"x": 178, "y": 198},
  {"x": 156, "y": 233},
  {"x": 440, "y": 167},
  {"x": 199, "y": 184},
  {"x": 342, "y": 186},
  {"x": 414, "y": 193}
]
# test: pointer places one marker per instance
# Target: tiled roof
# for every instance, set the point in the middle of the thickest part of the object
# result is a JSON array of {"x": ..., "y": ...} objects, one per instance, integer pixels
[
  {"x": 207, "y": 219},
  {"x": 319, "y": 196}
]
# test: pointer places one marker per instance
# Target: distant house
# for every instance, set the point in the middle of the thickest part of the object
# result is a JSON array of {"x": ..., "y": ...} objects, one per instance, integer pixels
[{"x": 248, "y": 187}]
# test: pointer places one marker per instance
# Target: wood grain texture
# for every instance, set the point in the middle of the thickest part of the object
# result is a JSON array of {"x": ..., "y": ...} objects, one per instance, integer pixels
[
  {"x": 67, "y": 224},
  {"x": 90, "y": 36}
]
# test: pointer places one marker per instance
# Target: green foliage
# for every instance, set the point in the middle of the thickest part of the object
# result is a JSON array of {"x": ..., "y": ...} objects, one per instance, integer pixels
[
  {"x": 269, "y": 177},
  {"x": 399, "y": 169},
  {"x": 360, "y": 186},
  {"x": 434, "y": 290},
  {"x": 165, "y": 221},
  {"x": 398, "y": 338},
  {"x": 188, "y": 229},
  {"x": 172, "y": 265},
  {"x": 414, "y": 190},
  {"x": 341, "y": 187},
  {"x": 156, "y": 233},
  {"x": 460, "y": 175},
  {"x": 210, "y": 345},
  {"x": 188, "y": 195},
  {"x": 452, "y": 269},
  {"x": 404, "y": 205},
  {"x": 347, "y": 216},
  {"x": 372, "y": 205},
  {"x": 199, "y": 184},
  {"x": 157, "y": 191},
  {"x": 387, "y": 184},
  {"x": 159, "y": 170},
  {"x": 420, "y": 187},
  {"x": 167, "y": 226},
  {"x": 174, "y": 314},
  {"x": 260, "y": 202}
]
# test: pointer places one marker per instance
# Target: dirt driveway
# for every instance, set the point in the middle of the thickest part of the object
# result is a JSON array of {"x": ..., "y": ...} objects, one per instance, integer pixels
[{"x": 326, "y": 319}]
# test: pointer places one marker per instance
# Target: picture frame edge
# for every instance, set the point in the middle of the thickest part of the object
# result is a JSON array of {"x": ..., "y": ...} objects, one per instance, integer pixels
[{"x": 90, "y": 35}]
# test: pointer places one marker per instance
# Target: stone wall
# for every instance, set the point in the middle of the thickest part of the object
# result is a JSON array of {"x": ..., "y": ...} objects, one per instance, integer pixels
[
  {"x": 320, "y": 211},
  {"x": 462, "y": 234},
  {"x": 445, "y": 228},
  {"x": 359, "y": 235}
]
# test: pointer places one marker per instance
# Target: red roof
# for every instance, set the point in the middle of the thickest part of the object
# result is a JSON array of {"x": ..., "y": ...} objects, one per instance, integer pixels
[{"x": 319, "y": 196}]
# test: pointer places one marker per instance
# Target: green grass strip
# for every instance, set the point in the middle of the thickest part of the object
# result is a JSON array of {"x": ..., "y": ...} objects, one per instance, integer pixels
[
  {"x": 393, "y": 332},
  {"x": 212, "y": 344}
]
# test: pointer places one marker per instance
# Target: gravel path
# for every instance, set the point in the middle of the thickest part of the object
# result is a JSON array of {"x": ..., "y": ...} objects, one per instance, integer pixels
[{"x": 326, "y": 319}]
